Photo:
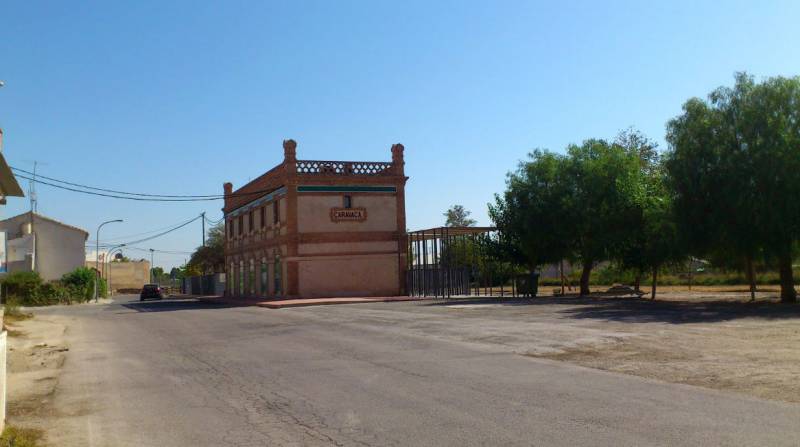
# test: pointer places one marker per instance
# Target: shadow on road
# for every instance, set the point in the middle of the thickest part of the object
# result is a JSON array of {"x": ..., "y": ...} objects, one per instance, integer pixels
[
  {"x": 169, "y": 305},
  {"x": 641, "y": 310}
]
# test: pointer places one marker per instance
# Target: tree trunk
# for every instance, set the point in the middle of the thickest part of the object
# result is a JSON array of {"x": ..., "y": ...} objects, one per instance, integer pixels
[
  {"x": 751, "y": 278},
  {"x": 587, "y": 270},
  {"x": 653, "y": 285},
  {"x": 637, "y": 281},
  {"x": 563, "y": 280},
  {"x": 788, "y": 294}
]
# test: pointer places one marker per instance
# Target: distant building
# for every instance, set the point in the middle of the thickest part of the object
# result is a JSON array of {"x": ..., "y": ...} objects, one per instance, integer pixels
[
  {"x": 318, "y": 228},
  {"x": 122, "y": 275},
  {"x": 38, "y": 243}
]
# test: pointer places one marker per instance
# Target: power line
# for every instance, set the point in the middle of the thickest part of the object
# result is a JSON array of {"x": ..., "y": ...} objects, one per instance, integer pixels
[
  {"x": 170, "y": 252},
  {"x": 139, "y": 241},
  {"x": 142, "y": 197},
  {"x": 118, "y": 238},
  {"x": 162, "y": 233},
  {"x": 214, "y": 222},
  {"x": 113, "y": 196},
  {"x": 118, "y": 192}
]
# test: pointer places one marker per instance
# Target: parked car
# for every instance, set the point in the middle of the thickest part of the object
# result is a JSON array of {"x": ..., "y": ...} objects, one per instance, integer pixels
[{"x": 151, "y": 291}]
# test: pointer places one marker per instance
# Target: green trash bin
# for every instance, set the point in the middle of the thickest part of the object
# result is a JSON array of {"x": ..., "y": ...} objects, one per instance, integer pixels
[{"x": 528, "y": 284}]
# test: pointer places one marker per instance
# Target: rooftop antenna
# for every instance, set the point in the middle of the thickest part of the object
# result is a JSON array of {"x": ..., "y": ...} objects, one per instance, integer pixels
[{"x": 32, "y": 187}]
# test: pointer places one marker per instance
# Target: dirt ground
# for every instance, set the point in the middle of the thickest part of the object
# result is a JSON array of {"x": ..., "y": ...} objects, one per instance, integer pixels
[
  {"x": 712, "y": 339},
  {"x": 36, "y": 353}
]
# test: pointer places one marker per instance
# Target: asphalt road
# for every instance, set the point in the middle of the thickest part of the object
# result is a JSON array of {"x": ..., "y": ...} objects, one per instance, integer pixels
[{"x": 185, "y": 373}]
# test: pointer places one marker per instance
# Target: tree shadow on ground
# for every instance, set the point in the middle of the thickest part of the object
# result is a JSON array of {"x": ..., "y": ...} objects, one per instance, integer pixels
[
  {"x": 642, "y": 310},
  {"x": 682, "y": 312}
]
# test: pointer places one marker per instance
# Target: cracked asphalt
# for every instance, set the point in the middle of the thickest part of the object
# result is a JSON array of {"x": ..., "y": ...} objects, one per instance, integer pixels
[{"x": 190, "y": 373}]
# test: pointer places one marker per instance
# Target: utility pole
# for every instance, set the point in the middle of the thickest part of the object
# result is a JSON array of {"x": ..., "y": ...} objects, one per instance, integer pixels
[
  {"x": 34, "y": 208},
  {"x": 32, "y": 189},
  {"x": 204, "y": 228},
  {"x": 152, "y": 281}
]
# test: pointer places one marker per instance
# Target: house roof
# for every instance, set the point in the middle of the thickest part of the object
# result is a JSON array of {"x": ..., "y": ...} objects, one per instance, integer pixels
[
  {"x": 8, "y": 183},
  {"x": 49, "y": 219}
]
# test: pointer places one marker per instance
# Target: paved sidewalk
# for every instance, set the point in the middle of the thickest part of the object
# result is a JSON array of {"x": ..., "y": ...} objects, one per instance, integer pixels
[{"x": 299, "y": 302}]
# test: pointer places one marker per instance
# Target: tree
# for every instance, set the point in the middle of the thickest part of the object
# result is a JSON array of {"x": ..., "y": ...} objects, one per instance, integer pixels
[
  {"x": 653, "y": 237},
  {"x": 211, "y": 257},
  {"x": 733, "y": 172},
  {"x": 532, "y": 216},
  {"x": 575, "y": 206},
  {"x": 457, "y": 216},
  {"x": 157, "y": 273},
  {"x": 602, "y": 201}
]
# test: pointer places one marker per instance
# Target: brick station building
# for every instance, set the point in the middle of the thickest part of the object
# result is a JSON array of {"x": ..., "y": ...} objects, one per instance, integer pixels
[{"x": 309, "y": 228}]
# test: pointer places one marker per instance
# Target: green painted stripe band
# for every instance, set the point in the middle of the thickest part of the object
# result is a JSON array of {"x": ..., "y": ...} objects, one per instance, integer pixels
[{"x": 314, "y": 188}]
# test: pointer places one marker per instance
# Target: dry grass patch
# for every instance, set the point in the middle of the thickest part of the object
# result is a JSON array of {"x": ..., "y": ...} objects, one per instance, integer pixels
[{"x": 14, "y": 436}]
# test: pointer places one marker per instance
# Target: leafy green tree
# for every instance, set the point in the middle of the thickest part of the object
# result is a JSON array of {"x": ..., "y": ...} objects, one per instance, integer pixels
[
  {"x": 575, "y": 206},
  {"x": 653, "y": 237},
  {"x": 733, "y": 171},
  {"x": 211, "y": 258},
  {"x": 602, "y": 203},
  {"x": 457, "y": 216},
  {"x": 157, "y": 273},
  {"x": 532, "y": 215}
]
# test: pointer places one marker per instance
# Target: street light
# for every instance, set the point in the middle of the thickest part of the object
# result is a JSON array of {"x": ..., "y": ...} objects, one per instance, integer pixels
[
  {"x": 151, "y": 266},
  {"x": 97, "y": 256},
  {"x": 108, "y": 274}
]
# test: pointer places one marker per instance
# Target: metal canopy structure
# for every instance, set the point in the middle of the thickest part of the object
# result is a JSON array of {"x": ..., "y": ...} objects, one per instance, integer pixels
[{"x": 452, "y": 261}]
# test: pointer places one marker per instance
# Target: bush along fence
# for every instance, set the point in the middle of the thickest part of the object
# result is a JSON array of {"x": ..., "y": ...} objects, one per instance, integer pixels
[{"x": 28, "y": 288}]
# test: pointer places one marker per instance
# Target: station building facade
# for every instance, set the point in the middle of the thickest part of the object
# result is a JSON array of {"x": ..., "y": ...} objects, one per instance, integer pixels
[{"x": 311, "y": 228}]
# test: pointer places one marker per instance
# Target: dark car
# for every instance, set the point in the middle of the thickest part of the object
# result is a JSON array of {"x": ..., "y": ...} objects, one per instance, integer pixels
[{"x": 151, "y": 291}]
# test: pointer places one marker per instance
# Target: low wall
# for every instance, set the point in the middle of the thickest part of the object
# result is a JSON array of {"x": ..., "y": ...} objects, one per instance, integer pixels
[
  {"x": 125, "y": 275},
  {"x": 204, "y": 285}
]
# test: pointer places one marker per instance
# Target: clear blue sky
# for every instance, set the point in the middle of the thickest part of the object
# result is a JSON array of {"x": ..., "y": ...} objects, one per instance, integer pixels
[{"x": 179, "y": 97}]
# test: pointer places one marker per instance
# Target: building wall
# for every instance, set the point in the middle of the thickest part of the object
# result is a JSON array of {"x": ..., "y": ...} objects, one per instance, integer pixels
[
  {"x": 127, "y": 275},
  {"x": 308, "y": 253},
  {"x": 351, "y": 258},
  {"x": 313, "y": 212},
  {"x": 59, "y": 248},
  {"x": 362, "y": 275},
  {"x": 19, "y": 254}
]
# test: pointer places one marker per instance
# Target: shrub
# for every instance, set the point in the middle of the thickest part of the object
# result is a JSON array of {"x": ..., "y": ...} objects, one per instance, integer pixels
[
  {"x": 14, "y": 436},
  {"x": 28, "y": 289},
  {"x": 81, "y": 280},
  {"x": 22, "y": 284},
  {"x": 12, "y": 312}
]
